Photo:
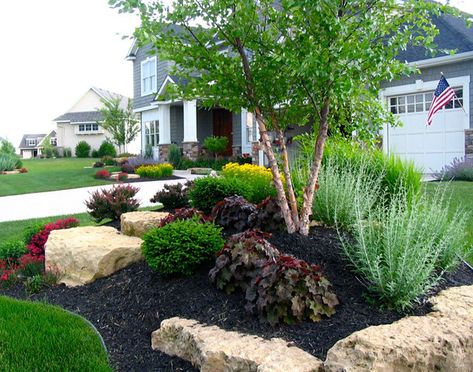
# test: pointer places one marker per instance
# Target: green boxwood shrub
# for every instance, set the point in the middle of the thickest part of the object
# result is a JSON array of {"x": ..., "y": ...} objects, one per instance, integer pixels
[
  {"x": 216, "y": 144},
  {"x": 12, "y": 250},
  {"x": 107, "y": 149},
  {"x": 208, "y": 191},
  {"x": 182, "y": 246},
  {"x": 82, "y": 149}
]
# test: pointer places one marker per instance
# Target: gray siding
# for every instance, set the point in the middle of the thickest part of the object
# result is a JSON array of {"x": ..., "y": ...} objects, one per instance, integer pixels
[
  {"x": 433, "y": 74},
  {"x": 162, "y": 71},
  {"x": 236, "y": 129},
  {"x": 204, "y": 124},
  {"x": 177, "y": 124}
]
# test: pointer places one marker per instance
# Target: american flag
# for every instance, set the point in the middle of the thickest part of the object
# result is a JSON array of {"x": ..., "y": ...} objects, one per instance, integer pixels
[{"x": 442, "y": 96}]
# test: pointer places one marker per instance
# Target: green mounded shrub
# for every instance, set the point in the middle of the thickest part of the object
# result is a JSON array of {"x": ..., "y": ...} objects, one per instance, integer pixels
[
  {"x": 9, "y": 162},
  {"x": 107, "y": 149},
  {"x": 95, "y": 153},
  {"x": 216, "y": 144},
  {"x": 279, "y": 287},
  {"x": 108, "y": 160},
  {"x": 208, "y": 191},
  {"x": 401, "y": 249},
  {"x": 173, "y": 196},
  {"x": 182, "y": 246},
  {"x": 12, "y": 250},
  {"x": 175, "y": 156},
  {"x": 112, "y": 203},
  {"x": 340, "y": 188},
  {"x": 82, "y": 149}
]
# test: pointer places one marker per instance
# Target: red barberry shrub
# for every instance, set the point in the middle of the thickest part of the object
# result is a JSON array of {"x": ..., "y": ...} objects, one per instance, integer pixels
[
  {"x": 36, "y": 245},
  {"x": 281, "y": 288},
  {"x": 102, "y": 174},
  {"x": 184, "y": 214},
  {"x": 173, "y": 196},
  {"x": 112, "y": 203},
  {"x": 233, "y": 213}
]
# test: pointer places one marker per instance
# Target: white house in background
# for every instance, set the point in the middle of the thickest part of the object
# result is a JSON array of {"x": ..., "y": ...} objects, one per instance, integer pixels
[
  {"x": 82, "y": 122},
  {"x": 31, "y": 145}
]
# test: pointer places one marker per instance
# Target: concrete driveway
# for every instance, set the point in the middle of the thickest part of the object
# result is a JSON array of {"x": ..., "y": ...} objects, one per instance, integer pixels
[{"x": 55, "y": 203}]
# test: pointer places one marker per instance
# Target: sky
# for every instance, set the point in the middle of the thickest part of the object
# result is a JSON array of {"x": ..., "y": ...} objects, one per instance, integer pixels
[{"x": 53, "y": 51}]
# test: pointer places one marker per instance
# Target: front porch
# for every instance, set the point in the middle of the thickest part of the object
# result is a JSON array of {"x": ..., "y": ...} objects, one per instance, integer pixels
[{"x": 187, "y": 124}]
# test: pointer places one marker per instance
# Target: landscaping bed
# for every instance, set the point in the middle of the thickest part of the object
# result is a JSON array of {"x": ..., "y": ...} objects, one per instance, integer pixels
[{"x": 131, "y": 304}]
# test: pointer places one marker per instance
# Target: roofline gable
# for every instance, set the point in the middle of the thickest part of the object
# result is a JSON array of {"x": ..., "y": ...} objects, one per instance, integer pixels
[{"x": 167, "y": 80}]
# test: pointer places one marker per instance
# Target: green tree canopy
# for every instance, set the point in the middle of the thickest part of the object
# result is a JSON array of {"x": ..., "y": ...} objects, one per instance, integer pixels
[{"x": 290, "y": 62}]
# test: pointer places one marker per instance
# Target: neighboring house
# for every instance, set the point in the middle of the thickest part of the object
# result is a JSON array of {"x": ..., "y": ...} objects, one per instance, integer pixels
[
  {"x": 184, "y": 123},
  {"x": 31, "y": 145},
  {"x": 82, "y": 122},
  {"x": 451, "y": 133}
]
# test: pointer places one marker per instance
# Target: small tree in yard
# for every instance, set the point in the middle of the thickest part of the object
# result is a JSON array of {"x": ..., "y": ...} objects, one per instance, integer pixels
[
  {"x": 121, "y": 123},
  {"x": 290, "y": 62},
  {"x": 216, "y": 144}
]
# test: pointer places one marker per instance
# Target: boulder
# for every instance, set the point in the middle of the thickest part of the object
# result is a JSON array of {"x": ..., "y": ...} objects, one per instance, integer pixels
[
  {"x": 137, "y": 223},
  {"x": 439, "y": 341},
  {"x": 83, "y": 254},
  {"x": 213, "y": 349}
]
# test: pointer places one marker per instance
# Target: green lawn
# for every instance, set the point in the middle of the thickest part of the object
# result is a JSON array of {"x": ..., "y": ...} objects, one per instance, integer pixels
[
  {"x": 39, "y": 337},
  {"x": 51, "y": 174},
  {"x": 461, "y": 197}
]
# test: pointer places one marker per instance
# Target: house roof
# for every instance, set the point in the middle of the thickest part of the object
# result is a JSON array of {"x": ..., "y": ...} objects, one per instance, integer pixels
[
  {"x": 453, "y": 35},
  {"x": 108, "y": 95},
  {"x": 80, "y": 117},
  {"x": 38, "y": 137}
]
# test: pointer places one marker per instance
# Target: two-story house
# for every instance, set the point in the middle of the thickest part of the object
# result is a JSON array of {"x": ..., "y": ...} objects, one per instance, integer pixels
[
  {"x": 31, "y": 145},
  {"x": 431, "y": 147},
  {"x": 184, "y": 123},
  {"x": 82, "y": 121}
]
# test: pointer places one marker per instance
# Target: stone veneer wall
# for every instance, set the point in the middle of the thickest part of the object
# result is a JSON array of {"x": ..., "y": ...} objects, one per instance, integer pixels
[
  {"x": 191, "y": 150},
  {"x": 164, "y": 152},
  {"x": 469, "y": 143}
]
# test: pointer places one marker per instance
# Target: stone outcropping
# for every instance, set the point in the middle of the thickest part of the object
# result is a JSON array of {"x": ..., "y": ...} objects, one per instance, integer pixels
[
  {"x": 213, "y": 349},
  {"x": 440, "y": 341},
  {"x": 83, "y": 254},
  {"x": 138, "y": 223}
]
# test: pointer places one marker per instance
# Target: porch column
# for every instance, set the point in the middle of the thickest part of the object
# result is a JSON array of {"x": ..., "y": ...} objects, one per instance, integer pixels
[
  {"x": 190, "y": 121},
  {"x": 164, "y": 118},
  {"x": 190, "y": 144}
]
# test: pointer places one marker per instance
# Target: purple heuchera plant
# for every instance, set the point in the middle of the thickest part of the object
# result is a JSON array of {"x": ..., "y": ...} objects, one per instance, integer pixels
[{"x": 459, "y": 170}]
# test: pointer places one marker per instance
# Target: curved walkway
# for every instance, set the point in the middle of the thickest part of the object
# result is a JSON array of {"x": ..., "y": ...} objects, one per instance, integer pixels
[{"x": 62, "y": 202}]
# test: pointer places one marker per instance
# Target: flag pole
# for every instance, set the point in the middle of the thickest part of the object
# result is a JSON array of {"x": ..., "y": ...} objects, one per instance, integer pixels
[{"x": 458, "y": 99}]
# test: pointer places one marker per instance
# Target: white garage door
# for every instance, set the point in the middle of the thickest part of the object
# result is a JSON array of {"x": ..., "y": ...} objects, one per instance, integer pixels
[{"x": 430, "y": 147}]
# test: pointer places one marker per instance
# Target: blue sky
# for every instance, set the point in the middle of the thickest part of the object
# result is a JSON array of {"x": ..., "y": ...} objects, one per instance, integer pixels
[{"x": 52, "y": 51}]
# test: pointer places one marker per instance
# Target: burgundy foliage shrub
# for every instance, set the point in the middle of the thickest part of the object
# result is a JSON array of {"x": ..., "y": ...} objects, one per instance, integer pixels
[
  {"x": 233, "y": 214},
  {"x": 112, "y": 203},
  {"x": 281, "y": 288},
  {"x": 102, "y": 174},
  {"x": 184, "y": 214}
]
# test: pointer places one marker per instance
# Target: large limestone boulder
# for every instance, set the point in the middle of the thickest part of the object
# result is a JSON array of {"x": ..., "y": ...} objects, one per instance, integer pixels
[
  {"x": 440, "y": 341},
  {"x": 137, "y": 223},
  {"x": 83, "y": 254},
  {"x": 213, "y": 349}
]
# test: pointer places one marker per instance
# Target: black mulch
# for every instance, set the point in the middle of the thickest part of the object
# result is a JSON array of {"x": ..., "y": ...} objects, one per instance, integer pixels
[{"x": 130, "y": 305}]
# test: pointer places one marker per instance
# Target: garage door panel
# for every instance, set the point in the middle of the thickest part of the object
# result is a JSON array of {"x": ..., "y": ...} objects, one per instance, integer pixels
[{"x": 430, "y": 147}]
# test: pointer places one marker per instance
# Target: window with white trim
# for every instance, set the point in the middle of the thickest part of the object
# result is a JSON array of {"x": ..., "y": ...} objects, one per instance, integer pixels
[
  {"x": 148, "y": 76},
  {"x": 88, "y": 127},
  {"x": 31, "y": 141},
  {"x": 420, "y": 102},
  {"x": 152, "y": 133}
]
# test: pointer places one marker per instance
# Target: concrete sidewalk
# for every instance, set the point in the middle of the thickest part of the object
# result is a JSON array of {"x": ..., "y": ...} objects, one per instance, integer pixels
[{"x": 55, "y": 203}]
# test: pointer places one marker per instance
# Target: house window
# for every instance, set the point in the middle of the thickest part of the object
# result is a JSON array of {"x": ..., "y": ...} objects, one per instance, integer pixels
[
  {"x": 53, "y": 141},
  {"x": 152, "y": 133},
  {"x": 31, "y": 142},
  {"x": 420, "y": 102},
  {"x": 89, "y": 127},
  {"x": 148, "y": 76}
]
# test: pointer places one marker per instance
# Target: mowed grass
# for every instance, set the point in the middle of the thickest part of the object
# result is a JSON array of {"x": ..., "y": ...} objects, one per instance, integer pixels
[
  {"x": 51, "y": 174},
  {"x": 461, "y": 197},
  {"x": 40, "y": 337}
]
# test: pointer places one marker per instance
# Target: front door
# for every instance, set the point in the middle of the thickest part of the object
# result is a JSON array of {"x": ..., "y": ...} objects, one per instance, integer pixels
[{"x": 222, "y": 127}]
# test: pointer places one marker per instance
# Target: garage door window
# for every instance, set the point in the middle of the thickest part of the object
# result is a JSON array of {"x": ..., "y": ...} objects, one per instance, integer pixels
[{"x": 415, "y": 103}]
